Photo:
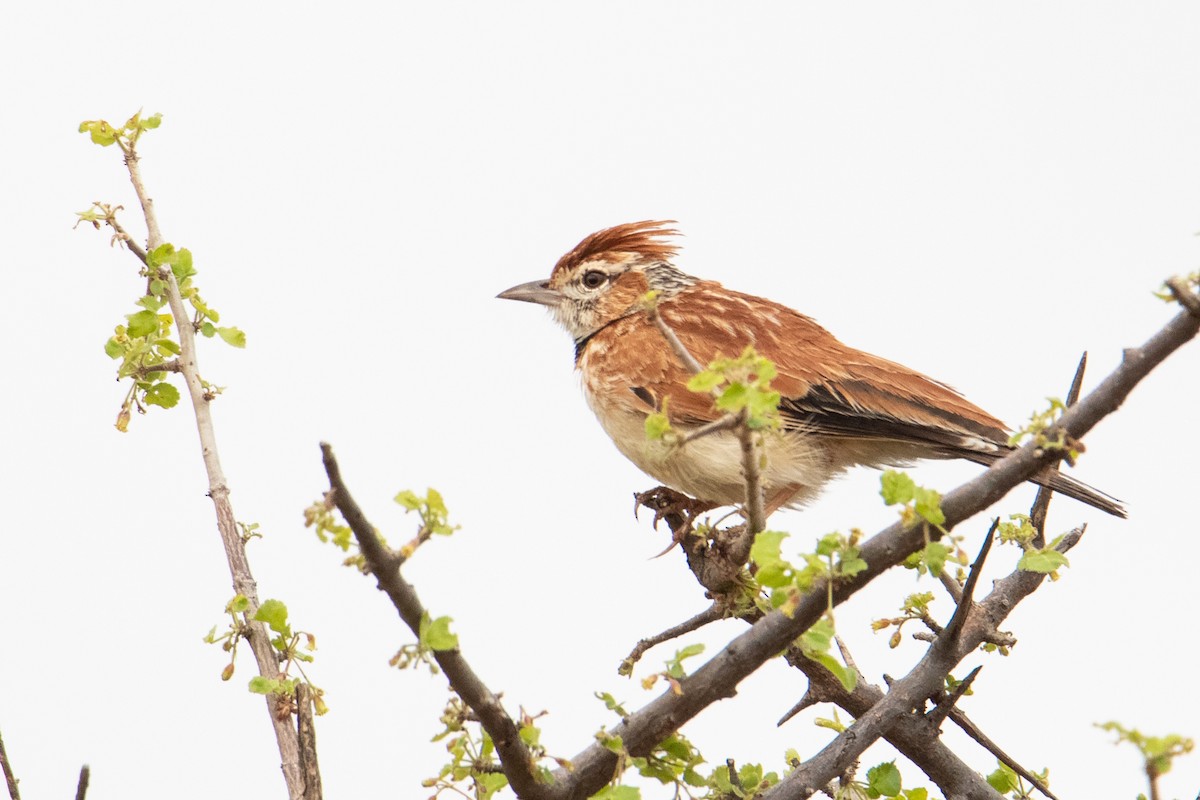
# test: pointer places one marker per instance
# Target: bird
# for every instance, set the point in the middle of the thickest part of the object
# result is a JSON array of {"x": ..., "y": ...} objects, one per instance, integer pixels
[{"x": 839, "y": 407}]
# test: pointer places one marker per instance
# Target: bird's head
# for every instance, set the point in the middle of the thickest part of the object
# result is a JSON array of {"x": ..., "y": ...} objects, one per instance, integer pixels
[{"x": 605, "y": 276}]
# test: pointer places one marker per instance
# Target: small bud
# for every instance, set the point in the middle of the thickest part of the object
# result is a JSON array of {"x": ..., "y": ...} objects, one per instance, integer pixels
[
  {"x": 123, "y": 419},
  {"x": 227, "y": 673}
]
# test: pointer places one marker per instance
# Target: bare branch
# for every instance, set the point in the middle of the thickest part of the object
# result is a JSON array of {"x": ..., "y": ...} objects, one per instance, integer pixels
[
  {"x": 954, "y": 626},
  {"x": 85, "y": 776},
  {"x": 913, "y": 689},
  {"x": 711, "y": 614},
  {"x": 693, "y": 366},
  {"x": 153, "y": 237},
  {"x": 1183, "y": 294},
  {"x": 514, "y": 756},
  {"x": 959, "y": 718},
  {"x": 9, "y": 777},
  {"x": 756, "y": 516},
  {"x": 946, "y": 704},
  {"x": 306, "y": 733}
]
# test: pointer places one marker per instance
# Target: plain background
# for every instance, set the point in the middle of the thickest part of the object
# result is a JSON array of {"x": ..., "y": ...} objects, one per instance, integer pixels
[{"x": 981, "y": 191}]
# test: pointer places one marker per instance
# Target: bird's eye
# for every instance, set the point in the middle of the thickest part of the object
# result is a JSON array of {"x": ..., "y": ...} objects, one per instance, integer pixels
[{"x": 593, "y": 279}]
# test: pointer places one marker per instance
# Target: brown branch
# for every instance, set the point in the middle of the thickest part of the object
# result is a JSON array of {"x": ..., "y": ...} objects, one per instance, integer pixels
[
  {"x": 719, "y": 677},
  {"x": 1179, "y": 289},
  {"x": 959, "y": 718},
  {"x": 946, "y": 702},
  {"x": 913, "y": 689},
  {"x": 306, "y": 733},
  {"x": 711, "y": 614},
  {"x": 1041, "y": 503},
  {"x": 954, "y": 626},
  {"x": 514, "y": 755},
  {"x": 218, "y": 490},
  {"x": 756, "y": 517},
  {"x": 10, "y": 777},
  {"x": 85, "y": 776}
]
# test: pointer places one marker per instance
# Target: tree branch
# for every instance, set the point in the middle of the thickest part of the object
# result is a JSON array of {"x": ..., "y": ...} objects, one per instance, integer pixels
[
  {"x": 711, "y": 614},
  {"x": 218, "y": 490},
  {"x": 514, "y": 756},
  {"x": 10, "y": 778},
  {"x": 913, "y": 689},
  {"x": 719, "y": 677}
]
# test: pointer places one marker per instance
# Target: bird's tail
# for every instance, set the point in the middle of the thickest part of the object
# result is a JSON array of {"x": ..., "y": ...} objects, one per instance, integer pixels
[{"x": 1064, "y": 484}]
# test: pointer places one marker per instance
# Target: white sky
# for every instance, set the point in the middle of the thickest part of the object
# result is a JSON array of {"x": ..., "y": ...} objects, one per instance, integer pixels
[{"x": 981, "y": 191}]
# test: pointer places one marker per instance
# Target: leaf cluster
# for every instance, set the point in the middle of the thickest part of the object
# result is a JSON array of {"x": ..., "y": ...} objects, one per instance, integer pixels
[
  {"x": 145, "y": 344},
  {"x": 1047, "y": 560},
  {"x": 106, "y": 134},
  {"x": 1158, "y": 752},
  {"x": 1043, "y": 430}
]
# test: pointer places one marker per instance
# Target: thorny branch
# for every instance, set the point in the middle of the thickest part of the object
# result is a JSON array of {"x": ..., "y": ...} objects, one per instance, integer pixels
[
  {"x": 720, "y": 675},
  {"x": 9, "y": 777},
  {"x": 385, "y": 566},
  {"x": 593, "y": 767},
  {"x": 218, "y": 488}
]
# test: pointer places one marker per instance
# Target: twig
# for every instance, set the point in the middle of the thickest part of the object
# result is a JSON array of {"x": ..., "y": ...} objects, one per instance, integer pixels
[
  {"x": 959, "y": 718},
  {"x": 954, "y": 626},
  {"x": 711, "y": 614},
  {"x": 1183, "y": 294},
  {"x": 907, "y": 693},
  {"x": 1041, "y": 503},
  {"x": 938, "y": 713},
  {"x": 126, "y": 239},
  {"x": 693, "y": 366},
  {"x": 720, "y": 675},
  {"x": 306, "y": 733},
  {"x": 756, "y": 517},
  {"x": 218, "y": 490},
  {"x": 725, "y": 423},
  {"x": 85, "y": 776},
  {"x": 9, "y": 777},
  {"x": 514, "y": 755}
]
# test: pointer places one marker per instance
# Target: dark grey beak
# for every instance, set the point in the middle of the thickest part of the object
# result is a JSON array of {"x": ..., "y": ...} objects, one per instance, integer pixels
[{"x": 533, "y": 292}]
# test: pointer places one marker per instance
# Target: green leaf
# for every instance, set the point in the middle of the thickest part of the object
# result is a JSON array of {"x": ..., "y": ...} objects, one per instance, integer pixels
[
  {"x": 151, "y": 122},
  {"x": 232, "y": 336},
  {"x": 101, "y": 132},
  {"x": 929, "y": 505},
  {"x": 765, "y": 553},
  {"x": 818, "y": 638},
  {"x": 436, "y": 635},
  {"x": 168, "y": 345},
  {"x": 657, "y": 426},
  {"x": 113, "y": 348},
  {"x": 143, "y": 323},
  {"x": 408, "y": 499},
  {"x": 1003, "y": 780},
  {"x": 162, "y": 394},
  {"x": 274, "y": 613},
  {"x": 896, "y": 487},
  {"x": 919, "y": 793},
  {"x": 181, "y": 265},
  {"x": 734, "y": 397},
  {"x": 884, "y": 779},
  {"x": 151, "y": 302},
  {"x": 935, "y": 556},
  {"x": 704, "y": 381},
  {"x": 208, "y": 329},
  {"x": 238, "y": 604},
  {"x": 163, "y": 254},
  {"x": 1043, "y": 561},
  {"x": 846, "y": 676},
  {"x": 618, "y": 793}
]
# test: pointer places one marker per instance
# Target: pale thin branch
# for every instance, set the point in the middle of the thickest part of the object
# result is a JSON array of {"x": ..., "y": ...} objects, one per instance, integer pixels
[
  {"x": 711, "y": 614},
  {"x": 385, "y": 566},
  {"x": 693, "y": 366},
  {"x": 756, "y": 517},
  {"x": 959, "y": 718},
  {"x": 725, "y": 423},
  {"x": 218, "y": 489},
  {"x": 10, "y": 777}
]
